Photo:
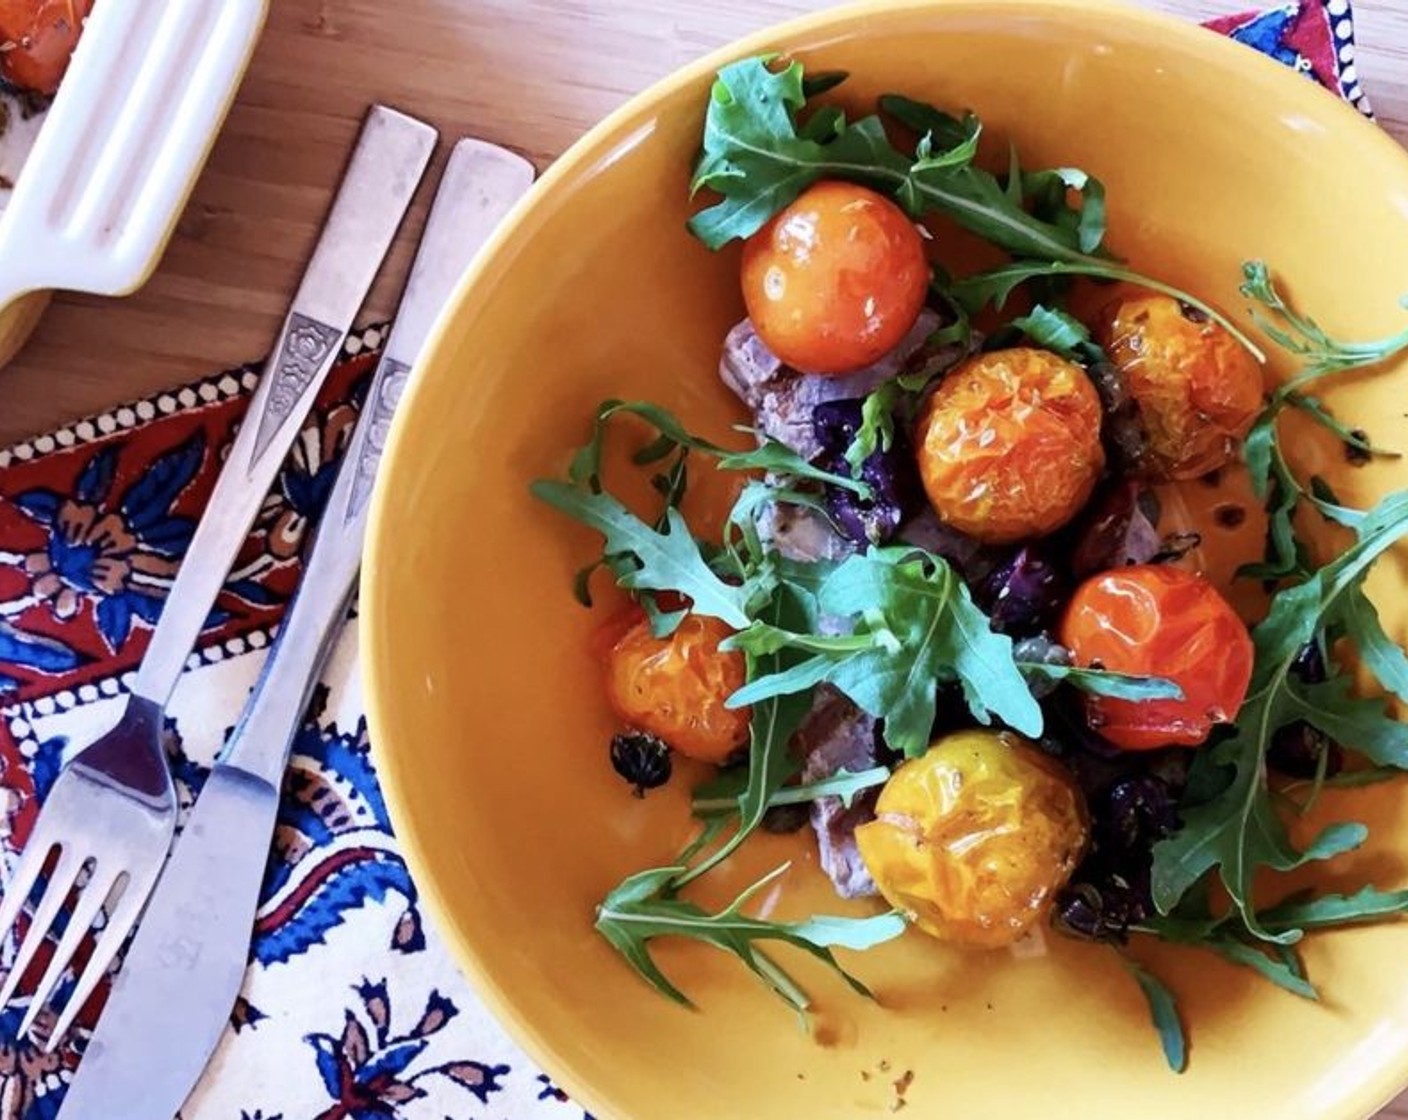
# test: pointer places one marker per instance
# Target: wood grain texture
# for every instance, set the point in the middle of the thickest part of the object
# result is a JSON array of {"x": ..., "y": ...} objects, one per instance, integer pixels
[{"x": 530, "y": 74}]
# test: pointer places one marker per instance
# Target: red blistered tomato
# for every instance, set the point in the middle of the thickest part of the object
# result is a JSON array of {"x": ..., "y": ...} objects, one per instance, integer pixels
[
  {"x": 1159, "y": 621},
  {"x": 40, "y": 36},
  {"x": 1009, "y": 444},
  {"x": 675, "y": 687},
  {"x": 836, "y": 280}
]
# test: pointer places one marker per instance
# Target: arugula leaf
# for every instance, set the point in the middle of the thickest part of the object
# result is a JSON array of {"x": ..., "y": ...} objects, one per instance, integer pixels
[
  {"x": 768, "y": 455},
  {"x": 1360, "y": 723},
  {"x": 1163, "y": 1010},
  {"x": 877, "y": 425},
  {"x": 721, "y": 794},
  {"x": 1322, "y": 356},
  {"x": 916, "y": 625},
  {"x": 1381, "y": 654},
  {"x": 1276, "y": 963},
  {"x": 1194, "y": 926},
  {"x": 1048, "y": 194},
  {"x": 1237, "y": 829},
  {"x": 996, "y": 285},
  {"x": 637, "y": 912},
  {"x": 1103, "y": 682},
  {"x": 659, "y": 561},
  {"x": 945, "y": 130},
  {"x": 1366, "y": 905},
  {"x": 754, "y": 156},
  {"x": 1058, "y": 331}
]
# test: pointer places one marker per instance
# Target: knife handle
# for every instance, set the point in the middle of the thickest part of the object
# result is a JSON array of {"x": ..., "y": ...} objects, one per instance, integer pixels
[
  {"x": 386, "y": 167},
  {"x": 480, "y": 184}
]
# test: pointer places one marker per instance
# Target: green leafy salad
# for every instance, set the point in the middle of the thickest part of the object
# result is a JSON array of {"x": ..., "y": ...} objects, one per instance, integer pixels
[{"x": 950, "y": 631}]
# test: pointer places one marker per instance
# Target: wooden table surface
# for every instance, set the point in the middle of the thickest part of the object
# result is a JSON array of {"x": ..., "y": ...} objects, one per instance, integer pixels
[{"x": 462, "y": 64}]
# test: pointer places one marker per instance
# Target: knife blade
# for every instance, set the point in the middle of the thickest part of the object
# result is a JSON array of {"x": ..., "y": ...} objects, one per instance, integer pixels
[{"x": 171, "y": 1002}]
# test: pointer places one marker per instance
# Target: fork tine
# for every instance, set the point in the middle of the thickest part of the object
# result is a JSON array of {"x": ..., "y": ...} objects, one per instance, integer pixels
[
  {"x": 21, "y": 883},
  {"x": 85, "y": 912},
  {"x": 65, "y": 874},
  {"x": 110, "y": 938}
]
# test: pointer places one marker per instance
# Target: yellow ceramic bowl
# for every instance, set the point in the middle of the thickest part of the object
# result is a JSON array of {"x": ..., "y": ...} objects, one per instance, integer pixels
[{"x": 487, "y": 710}]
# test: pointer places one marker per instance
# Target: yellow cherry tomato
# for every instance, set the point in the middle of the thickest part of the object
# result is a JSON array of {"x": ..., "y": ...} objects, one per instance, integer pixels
[
  {"x": 836, "y": 280},
  {"x": 1009, "y": 444},
  {"x": 675, "y": 687},
  {"x": 1197, "y": 389},
  {"x": 973, "y": 840}
]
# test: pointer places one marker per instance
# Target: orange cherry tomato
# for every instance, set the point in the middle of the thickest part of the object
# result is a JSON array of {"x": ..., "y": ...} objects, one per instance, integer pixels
[
  {"x": 1009, "y": 444},
  {"x": 675, "y": 687},
  {"x": 1159, "y": 621},
  {"x": 836, "y": 280},
  {"x": 1198, "y": 390},
  {"x": 39, "y": 37}
]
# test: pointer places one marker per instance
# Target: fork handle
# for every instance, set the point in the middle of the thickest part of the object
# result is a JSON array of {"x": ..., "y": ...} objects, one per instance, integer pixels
[
  {"x": 386, "y": 167},
  {"x": 481, "y": 182}
]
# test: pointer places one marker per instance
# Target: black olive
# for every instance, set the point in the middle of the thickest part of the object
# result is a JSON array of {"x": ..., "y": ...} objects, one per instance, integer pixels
[
  {"x": 1191, "y": 313},
  {"x": 643, "y": 760},
  {"x": 782, "y": 819},
  {"x": 1354, "y": 453},
  {"x": 1229, "y": 515},
  {"x": 1296, "y": 749}
]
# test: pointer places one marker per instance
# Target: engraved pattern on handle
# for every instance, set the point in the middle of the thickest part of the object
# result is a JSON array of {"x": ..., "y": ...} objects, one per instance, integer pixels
[
  {"x": 388, "y": 390},
  {"x": 307, "y": 346}
]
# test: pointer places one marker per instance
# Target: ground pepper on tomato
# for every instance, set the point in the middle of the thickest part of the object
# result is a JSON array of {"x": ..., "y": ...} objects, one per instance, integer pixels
[
  {"x": 674, "y": 688},
  {"x": 1157, "y": 620},
  {"x": 1197, "y": 389},
  {"x": 835, "y": 280},
  {"x": 1009, "y": 444}
]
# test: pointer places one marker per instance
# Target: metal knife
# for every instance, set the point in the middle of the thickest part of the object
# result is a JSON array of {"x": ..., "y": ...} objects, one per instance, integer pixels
[{"x": 172, "y": 1000}]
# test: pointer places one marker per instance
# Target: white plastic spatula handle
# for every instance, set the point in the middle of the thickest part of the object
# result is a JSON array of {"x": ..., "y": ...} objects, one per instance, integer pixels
[{"x": 149, "y": 85}]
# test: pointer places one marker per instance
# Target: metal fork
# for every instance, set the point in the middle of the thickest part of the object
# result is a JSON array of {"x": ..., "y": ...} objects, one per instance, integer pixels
[{"x": 111, "y": 814}]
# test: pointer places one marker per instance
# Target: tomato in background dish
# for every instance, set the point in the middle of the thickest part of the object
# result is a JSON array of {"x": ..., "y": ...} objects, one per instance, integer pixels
[
  {"x": 1197, "y": 388},
  {"x": 675, "y": 687},
  {"x": 836, "y": 280},
  {"x": 1159, "y": 621},
  {"x": 40, "y": 36},
  {"x": 1009, "y": 444}
]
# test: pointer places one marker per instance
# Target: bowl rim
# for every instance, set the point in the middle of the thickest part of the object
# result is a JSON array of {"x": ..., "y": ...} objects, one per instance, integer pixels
[{"x": 1249, "y": 65}]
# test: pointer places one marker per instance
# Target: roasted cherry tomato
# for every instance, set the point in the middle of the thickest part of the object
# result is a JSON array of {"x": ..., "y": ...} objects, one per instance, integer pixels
[
  {"x": 1197, "y": 389},
  {"x": 1009, "y": 444},
  {"x": 675, "y": 687},
  {"x": 836, "y": 280},
  {"x": 974, "y": 839},
  {"x": 39, "y": 37},
  {"x": 1159, "y": 621}
]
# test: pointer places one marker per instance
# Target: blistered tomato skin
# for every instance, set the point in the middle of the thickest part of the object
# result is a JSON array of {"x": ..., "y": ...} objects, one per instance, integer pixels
[
  {"x": 1197, "y": 389},
  {"x": 42, "y": 35},
  {"x": 1156, "y": 620},
  {"x": 973, "y": 840},
  {"x": 674, "y": 688},
  {"x": 1009, "y": 444},
  {"x": 836, "y": 280}
]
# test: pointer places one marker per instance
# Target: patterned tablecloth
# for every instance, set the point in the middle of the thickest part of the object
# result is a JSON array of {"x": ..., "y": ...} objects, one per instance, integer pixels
[{"x": 352, "y": 1009}]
